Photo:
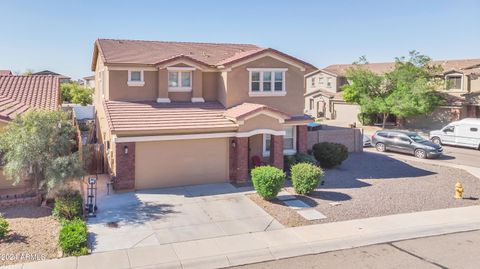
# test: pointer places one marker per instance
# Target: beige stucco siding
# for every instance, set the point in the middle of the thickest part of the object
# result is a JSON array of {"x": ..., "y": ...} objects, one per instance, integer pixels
[
  {"x": 210, "y": 80},
  {"x": 261, "y": 121},
  {"x": 119, "y": 89},
  {"x": 181, "y": 162},
  {"x": 475, "y": 85},
  {"x": 238, "y": 86}
]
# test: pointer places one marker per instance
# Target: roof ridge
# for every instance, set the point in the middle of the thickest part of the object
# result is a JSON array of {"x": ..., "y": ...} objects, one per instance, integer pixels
[{"x": 179, "y": 42}]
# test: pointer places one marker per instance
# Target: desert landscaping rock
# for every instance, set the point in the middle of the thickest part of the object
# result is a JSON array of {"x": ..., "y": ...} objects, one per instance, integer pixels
[
  {"x": 371, "y": 184},
  {"x": 33, "y": 231}
]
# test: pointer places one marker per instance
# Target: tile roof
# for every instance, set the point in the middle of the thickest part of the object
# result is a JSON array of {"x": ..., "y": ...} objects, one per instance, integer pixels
[
  {"x": 115, "y": 51},
  {"x": 380, "y": 68},
  {"x": 152, "y": 116},
  {"x": 21, "y": 93},
  {"x": 246, "y": 109},
  {"x": 48, "y": 72},
  {"x": 5, "y": 72}
]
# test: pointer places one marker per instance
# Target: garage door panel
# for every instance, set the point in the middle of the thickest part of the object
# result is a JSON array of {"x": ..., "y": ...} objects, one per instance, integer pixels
[{"x": 181, "y": 162}]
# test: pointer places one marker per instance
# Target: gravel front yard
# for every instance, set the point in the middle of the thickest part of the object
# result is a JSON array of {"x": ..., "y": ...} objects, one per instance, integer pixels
[
  {"x": 370, "y": 185},
  {"x": 33, "y": 236}
]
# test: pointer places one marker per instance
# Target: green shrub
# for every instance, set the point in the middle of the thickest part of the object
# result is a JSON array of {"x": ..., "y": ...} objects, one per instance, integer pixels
[
  {"x": 330, "y": 154},
  {"x": 73, "y": 237},
  {"x": 305, "y": 177},
  {"x": 4, "y": 227},
  {"x": 68, "y": 204},
  {"x": 267, "y": 181},
  {"x": 291, "y": 160},
  {"x": 367, "y": 118}
]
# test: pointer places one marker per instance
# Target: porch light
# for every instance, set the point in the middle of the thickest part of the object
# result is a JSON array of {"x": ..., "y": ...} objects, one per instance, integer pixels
[
  {"x": 125, "y": 149},
  {"x": 234, "y": 144}
]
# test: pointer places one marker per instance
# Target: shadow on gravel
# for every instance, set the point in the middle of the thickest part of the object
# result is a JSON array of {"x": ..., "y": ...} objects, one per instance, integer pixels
[
  {"x": 330, "y": 196},
  {"x": 368, "y": 165}
]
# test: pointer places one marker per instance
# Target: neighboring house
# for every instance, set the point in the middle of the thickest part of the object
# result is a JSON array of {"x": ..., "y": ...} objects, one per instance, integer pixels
[
  {"x": 63, "y": 79},
  {"x": 19, "y": 94},
  {"x": 89, "y": 81},
  {"x": 181, "y": 113},
  {"x": 323, "y": 97},
  {"x": 5, "y": 72}
]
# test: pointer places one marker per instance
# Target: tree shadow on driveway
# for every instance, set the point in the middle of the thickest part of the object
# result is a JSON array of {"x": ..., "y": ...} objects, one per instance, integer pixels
[{"x": 368, "y": 165}]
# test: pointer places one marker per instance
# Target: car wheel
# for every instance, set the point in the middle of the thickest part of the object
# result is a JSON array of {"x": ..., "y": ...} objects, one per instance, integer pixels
[
  {"x": 437, "y": 141},
  {"x": 420, "y": 153},
  {"x": 380, "y": 147}
]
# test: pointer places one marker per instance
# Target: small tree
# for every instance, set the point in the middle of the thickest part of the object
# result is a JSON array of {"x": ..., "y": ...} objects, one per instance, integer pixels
[
  {"x": 75, "y": 93},
  {"x": 405, "y": 91},
  {"x": 38, "y": 145}
]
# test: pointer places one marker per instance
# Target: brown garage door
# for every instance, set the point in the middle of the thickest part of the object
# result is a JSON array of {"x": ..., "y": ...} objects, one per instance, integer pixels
[{"x": 181, "y": 162}]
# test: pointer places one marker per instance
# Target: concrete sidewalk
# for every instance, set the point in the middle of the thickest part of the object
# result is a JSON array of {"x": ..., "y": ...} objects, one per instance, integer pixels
[{"x": 271, "y": 245}]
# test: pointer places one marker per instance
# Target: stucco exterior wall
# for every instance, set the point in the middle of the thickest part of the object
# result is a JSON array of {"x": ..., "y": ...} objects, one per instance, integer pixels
[
  {"x": 261, "y": 121},
  {"x": 474, "y": 84},
  {"x": 351, "y": 138},
  {"x": 210, "y": 85},
  {"x": 181, "y": 162},
  {"x": 120, "y": 91},
  {"x": 348, "y": 113},
  {"x": 334, "y": 86},
  {"x": 238, "y": 86}
]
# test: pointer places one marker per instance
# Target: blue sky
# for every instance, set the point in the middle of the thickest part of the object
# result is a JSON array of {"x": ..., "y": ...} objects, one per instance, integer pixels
[{"x": 59, "y": 35}]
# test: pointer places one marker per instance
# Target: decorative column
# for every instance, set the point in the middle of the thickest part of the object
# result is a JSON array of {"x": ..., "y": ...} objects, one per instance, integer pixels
[
  {"x": 276, "y": 151},
  {"x": 124, "y": 166},
  {"x": 197, "y": 90},
  {"x": 239, "y": 159},
  {"x": 162, "y": 96},
  {"x": 302, "y": 139}
]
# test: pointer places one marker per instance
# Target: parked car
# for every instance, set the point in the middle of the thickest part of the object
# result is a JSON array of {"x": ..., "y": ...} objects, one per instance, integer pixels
[
  {"x": 367, "y": 142},
  {"x": 406, "y": 142},
  {"x": 464, "y": 132}
]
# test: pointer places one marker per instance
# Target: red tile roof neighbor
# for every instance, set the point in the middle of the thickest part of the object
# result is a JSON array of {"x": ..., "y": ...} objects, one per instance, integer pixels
[
  {"x": 5, "y": 72},
  {"x": 155, "y": 52},
  {"x": 152, "y": 116},
  {"x": 21, "y": 93}
]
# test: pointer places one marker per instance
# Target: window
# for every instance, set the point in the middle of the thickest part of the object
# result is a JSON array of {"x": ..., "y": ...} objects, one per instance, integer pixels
[
  {"x": 320, "y": 81},
  {"x": 313, "y": 81},
  {"x": 135, "y": 78},
  {"x": 289, "y": 142},
  {"x": 180, "y": 81},
  {"x": 449, "y": 129},
  {"x": 329, "y": 82},
  {"x": 267, "y": 82},
  {"x": 454, "y": 82},
  {"x": 473, "y": 129},
  {"x": 311, "y": 104}
]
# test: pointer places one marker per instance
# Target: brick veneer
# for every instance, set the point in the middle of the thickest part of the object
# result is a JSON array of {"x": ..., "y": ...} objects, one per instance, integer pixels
[
  {"x": 239, "y": 160},
  {"x": 302, "y": 139},
  {"x": 276, "y": 151},
  {"x": 124, "y": 166}
]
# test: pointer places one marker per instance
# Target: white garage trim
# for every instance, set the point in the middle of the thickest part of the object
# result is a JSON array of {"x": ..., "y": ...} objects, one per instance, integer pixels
[{"x": 194, "y": 136}]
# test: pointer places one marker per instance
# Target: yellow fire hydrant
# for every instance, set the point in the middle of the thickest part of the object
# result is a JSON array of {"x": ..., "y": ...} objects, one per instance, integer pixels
[{"x": 458, "y": 191}]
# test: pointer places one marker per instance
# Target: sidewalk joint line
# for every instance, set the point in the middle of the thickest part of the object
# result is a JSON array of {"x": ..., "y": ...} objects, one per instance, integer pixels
[{"x": 416, "y": 256}]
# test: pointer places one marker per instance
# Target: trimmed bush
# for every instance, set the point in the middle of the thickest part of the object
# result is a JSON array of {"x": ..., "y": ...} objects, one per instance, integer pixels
[
  {"x": 291, "y": 160},
  {"x": 330, "y": 155},
  {"x": 267, "y": 181},
  {"x": 73, "y": 237},
  {"x": 68, "y": 205},
  {"x": 305, "y": 177},
  {"x": 4, "y": 227}
]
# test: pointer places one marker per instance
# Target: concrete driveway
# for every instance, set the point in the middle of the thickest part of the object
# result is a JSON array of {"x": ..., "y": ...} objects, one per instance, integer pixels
[{"x": 169, "y": 215}]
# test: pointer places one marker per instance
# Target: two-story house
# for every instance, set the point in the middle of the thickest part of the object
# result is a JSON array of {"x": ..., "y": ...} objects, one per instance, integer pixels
[
  {"x": 181, "y": 113},
  {"x": 323, "y": 97}
]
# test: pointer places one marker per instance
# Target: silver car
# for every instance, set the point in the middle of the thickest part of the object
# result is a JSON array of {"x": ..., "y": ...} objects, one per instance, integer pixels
[{"x": 406, "y": 142}]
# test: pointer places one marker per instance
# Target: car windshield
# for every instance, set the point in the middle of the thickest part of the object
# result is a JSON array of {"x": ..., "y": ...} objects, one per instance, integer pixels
[{"x": 416, "y": 138}]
